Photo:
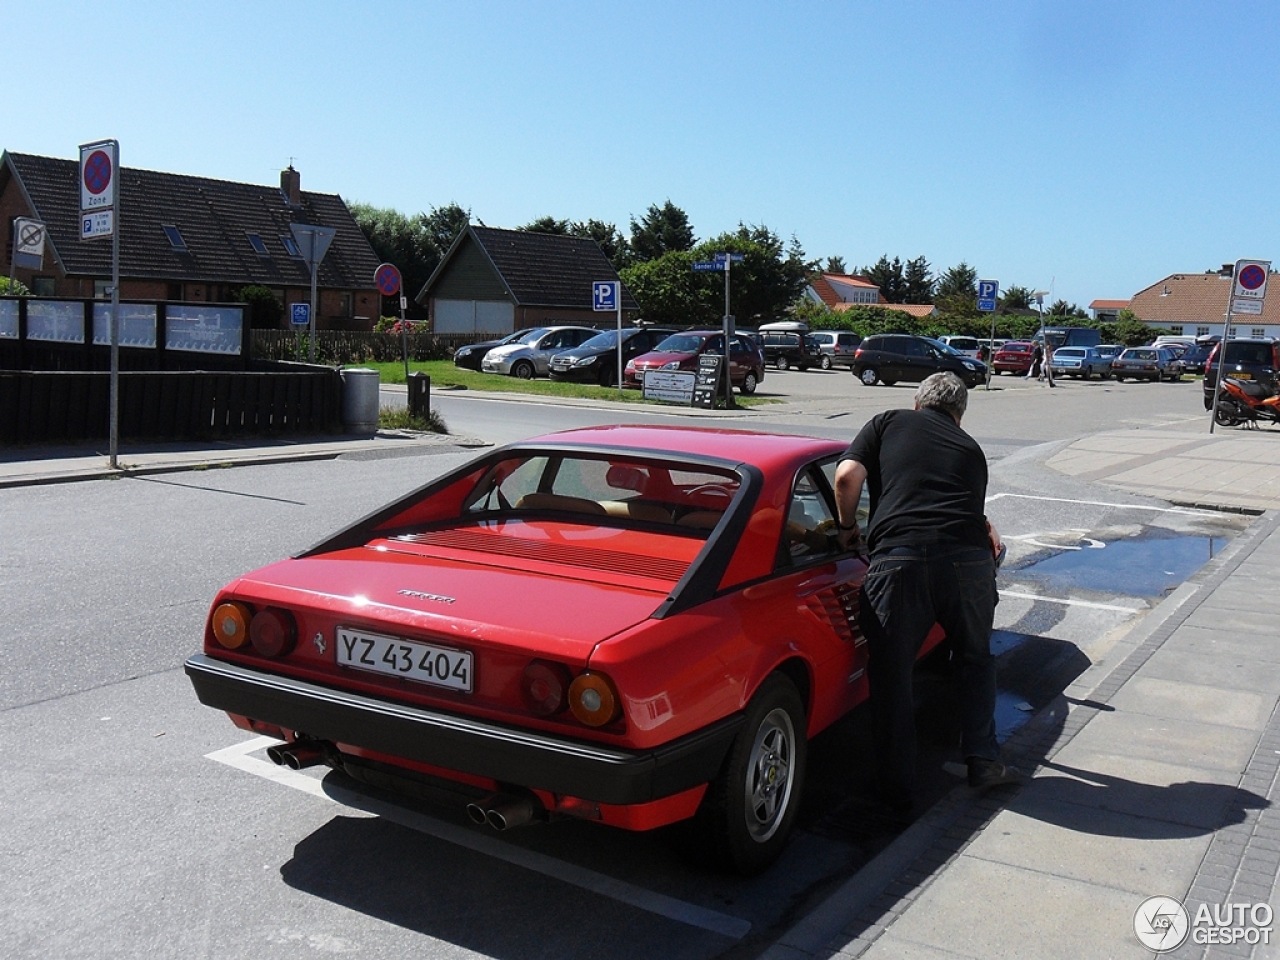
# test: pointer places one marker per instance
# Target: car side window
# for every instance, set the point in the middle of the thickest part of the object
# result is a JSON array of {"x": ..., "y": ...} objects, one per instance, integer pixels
[{"x": 810, "y": 528}]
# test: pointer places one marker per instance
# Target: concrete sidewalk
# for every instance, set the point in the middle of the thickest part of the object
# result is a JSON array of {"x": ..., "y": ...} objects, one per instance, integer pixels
[{"x": 1154, "y": 774}]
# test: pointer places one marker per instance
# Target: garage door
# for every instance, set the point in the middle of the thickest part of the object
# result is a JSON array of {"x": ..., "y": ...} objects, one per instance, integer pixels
[{"x": 474, "y": 316}]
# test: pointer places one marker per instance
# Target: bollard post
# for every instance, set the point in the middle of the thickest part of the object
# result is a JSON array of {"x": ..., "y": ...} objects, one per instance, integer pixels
[{"x": 419, "y": 395}]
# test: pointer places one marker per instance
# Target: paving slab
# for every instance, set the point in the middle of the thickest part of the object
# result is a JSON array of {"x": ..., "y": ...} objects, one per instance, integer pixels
[
  {"x": 1182, "y": 743},
  {"x": 1179, "y": 699}
]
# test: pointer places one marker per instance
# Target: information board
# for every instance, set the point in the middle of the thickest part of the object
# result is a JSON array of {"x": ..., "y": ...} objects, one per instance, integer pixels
[{"x": 708, "y": 387}]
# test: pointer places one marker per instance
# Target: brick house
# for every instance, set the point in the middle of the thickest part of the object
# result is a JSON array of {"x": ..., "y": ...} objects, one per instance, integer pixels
[
  {"x": 496, "y": 281},
  {"x": 191, "y": 239},
  {"x": 1195, "y": 305}
]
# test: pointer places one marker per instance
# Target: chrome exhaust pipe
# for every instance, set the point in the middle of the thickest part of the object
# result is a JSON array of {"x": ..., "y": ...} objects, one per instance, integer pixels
[
  {"x": 510, "y": 812},
  {"x": 298, "y": 754},
  {"x": 478, "y": 810}
]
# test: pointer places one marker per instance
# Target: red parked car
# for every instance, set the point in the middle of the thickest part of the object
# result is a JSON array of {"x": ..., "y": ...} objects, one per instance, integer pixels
[
  {"x": 681, "y": 351},
  {"x": 1013, "y": 357},
  {"x": 632, "y": 625}
]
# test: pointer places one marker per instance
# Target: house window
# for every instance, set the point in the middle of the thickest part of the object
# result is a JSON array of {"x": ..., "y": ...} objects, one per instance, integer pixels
[
  {"x": 1175, "y": 329},
  {"x": 1258, "y": 333},
  {"x": 259, "y": 247},
  {"x": 175, "y": 292},
  {"x": 175, "y": 237},
  {"x": 291, "y": 247},
  {"x": 43, "y": 286},
  {"x": 1202, "y": 331}
]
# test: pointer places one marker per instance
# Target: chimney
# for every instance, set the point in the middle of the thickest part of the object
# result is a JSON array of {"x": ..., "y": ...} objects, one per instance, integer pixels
[{"x": 291, "y": 186}]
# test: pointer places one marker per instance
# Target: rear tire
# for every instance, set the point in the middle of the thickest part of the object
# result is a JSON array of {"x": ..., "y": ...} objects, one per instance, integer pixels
[
  {"x": 1228, "y": 414},
  {"x": 781, "y": 363},
  {"x": 750, "y": 382},
  {"x": 826, "y": 363},
  {"x": 749, "y": 809}
]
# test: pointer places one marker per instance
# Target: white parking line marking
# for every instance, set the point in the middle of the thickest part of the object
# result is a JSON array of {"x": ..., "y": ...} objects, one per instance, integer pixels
[
  {"x": 237, "y": 756},
  {"x": 1188, "y": 511},
  {"x": 1072, "y": 603}
]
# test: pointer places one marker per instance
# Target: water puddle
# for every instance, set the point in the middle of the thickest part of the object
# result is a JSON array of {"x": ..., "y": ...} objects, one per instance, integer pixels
[{"x": 1149, "y": 566}]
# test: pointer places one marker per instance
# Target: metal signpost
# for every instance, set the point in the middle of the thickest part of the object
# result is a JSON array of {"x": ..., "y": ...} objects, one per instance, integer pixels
[
  {"x": 313, "y": 243},
  {"x": 723, "y": 262},
  {"x": 606, "y": 297},
  {"x": 99, "y": 217},
  {"x": 988, "y": 294},
  {"x": 387, "y": 279},
  {"x": 1248, "y": 294}
]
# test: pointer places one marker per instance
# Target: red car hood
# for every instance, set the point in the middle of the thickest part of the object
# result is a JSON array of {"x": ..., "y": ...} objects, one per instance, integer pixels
[{"x": 561, "y": 598}]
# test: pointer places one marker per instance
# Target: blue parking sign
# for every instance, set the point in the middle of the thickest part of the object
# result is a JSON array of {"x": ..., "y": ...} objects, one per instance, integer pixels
[
  {"x": 604, "y": 295},
  {"x": 988, "y": 294},
  {"x": 300, "y": 314}
]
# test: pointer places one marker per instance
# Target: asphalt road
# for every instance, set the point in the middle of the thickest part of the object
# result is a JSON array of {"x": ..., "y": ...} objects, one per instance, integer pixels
[{"x": 139, "y": 823}]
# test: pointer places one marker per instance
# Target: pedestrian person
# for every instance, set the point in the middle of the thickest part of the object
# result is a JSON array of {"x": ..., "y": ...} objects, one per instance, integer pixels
[
  {"x": 1037, "y": 358},
  {"x": 933, "y": 560}
]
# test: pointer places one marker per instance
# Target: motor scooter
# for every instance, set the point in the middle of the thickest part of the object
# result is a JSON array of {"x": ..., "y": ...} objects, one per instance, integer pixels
[{"x": 1246, "y": 402}]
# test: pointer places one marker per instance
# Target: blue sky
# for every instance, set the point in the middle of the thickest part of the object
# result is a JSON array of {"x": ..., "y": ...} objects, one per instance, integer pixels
[{"x": 1091, "y": 146}]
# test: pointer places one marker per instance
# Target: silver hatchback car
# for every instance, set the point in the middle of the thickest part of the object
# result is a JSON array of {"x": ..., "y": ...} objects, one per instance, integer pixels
[{"x": 530, "y": 356}]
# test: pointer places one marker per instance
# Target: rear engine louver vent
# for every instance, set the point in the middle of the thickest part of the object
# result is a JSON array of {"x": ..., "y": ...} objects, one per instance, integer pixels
[
  {"x": 839, "y": 607},
  {"x": 590, "y": 558}
]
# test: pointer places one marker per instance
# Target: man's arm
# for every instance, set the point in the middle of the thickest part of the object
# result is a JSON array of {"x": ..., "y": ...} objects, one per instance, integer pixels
[{"x": 850, "y": 476}]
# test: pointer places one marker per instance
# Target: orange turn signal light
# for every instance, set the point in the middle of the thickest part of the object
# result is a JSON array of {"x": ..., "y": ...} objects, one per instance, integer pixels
[
  {"x": 230, "y": 624},
  {"x": 593, "y": 699}
]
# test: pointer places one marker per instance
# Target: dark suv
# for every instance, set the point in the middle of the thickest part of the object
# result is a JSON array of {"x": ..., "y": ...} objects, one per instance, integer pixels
[
  {"x": 791, "y": 349},
  {"x": 889, "y": 357},
  {"x": 1255, "y": 360}
]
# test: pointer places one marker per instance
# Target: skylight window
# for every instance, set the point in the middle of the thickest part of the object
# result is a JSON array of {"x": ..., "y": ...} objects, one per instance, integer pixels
[
  {"x": 175, "y": 237},
  {"x": 291, "y": 247},
  {"x": 259, "y": 247}
]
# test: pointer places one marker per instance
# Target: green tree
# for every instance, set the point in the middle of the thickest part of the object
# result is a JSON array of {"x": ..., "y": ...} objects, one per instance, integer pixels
[
  {"x": 836, "y": 265},
  {"x": 669, "y": 292},
  {"x": 266, "y": 309},
  {"x": 917, "y": 282},
  {"x": 415, "y": 245},
  {"x": 1016, "y": 298},
  {"x": 956, "y": 294},
  {"x": 660, "y": 231},
  {"x": 608, "y": 236},
  {"x": 1128, "y": 329},
  {"x": 888, "y": 276},
  {"x": 547, "y": 225}
]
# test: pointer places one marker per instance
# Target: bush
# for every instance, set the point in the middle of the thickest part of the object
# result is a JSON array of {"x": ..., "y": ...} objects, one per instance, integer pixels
[
  {"x": 19, "y": 289},
  {"x": 266, "y": 309}
]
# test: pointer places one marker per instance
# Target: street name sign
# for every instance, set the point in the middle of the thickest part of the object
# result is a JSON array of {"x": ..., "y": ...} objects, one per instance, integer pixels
[{"x": 708, "y": 266}]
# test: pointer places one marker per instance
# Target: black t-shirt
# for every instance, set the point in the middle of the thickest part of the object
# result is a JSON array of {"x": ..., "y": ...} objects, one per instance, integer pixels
[{"x": 927, "y": 480}]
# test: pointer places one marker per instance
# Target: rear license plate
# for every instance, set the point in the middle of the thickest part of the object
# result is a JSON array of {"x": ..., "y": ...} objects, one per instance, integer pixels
[
  {"x": 411, "y": 659},
  {"x": 1240, "y": 376}
]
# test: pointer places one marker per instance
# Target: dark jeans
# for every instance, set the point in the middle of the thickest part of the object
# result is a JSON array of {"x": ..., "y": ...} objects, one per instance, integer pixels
[{"x": 907, "y": 590}]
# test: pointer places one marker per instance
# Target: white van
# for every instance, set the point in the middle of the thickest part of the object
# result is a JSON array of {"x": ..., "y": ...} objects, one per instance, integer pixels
[{"x": 969, "y": 346}]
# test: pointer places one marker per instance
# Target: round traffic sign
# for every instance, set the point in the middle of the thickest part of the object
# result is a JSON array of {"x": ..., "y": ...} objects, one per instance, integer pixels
[
  {"x": 387, "y": 278},
  {"x": 97, "y": 172},
  {"x": 30, "y": 234},
  {"x": 1252, "y": 277}
]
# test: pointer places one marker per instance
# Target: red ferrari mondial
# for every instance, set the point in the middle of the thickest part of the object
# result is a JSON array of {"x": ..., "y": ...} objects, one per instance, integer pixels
[{"x": 635, "y": 625}]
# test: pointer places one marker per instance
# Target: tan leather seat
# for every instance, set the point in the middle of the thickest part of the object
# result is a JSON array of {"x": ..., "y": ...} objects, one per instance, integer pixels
[
  {"x": 700, "y": 519},
  {"x": 648, "y": 512},
  {"x": 559, "y": 502}
]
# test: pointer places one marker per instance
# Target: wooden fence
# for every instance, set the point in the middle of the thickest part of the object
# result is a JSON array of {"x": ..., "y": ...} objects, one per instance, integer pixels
[{"x": 57, "y": 406}]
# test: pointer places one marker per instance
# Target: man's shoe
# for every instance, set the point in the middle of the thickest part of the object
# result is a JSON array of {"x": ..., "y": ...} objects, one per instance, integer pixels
[{"x": 984, "y": 773}]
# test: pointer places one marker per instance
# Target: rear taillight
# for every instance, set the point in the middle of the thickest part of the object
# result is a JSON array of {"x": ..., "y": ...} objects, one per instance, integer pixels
[
  {"x": 272, "y": 632},
  {"x": 544, "y": 686},
  {"x": 593, "y": 699},
  {"x": 230, "y": 624}
]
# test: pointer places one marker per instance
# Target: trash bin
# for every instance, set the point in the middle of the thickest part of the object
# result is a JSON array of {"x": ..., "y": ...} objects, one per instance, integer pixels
[
  {"x": 419, "y": 395},
  {"x": 360, "y": 400}
]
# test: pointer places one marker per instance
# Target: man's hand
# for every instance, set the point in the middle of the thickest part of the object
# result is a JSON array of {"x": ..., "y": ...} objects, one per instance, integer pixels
[{"x": 996, "y": 543}]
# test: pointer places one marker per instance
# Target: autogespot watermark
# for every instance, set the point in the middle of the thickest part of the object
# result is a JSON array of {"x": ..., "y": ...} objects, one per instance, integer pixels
[{"x": 1163, "y": 924}]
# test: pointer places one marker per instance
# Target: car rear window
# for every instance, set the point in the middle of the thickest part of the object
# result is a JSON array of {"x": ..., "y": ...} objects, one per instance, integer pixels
[
  {"x": 1069, "y": 352},
  {"x": 1259, "y": 353}
]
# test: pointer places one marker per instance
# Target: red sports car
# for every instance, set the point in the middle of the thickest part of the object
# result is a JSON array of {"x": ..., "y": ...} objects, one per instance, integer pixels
[{"x": 634, "y": 625}]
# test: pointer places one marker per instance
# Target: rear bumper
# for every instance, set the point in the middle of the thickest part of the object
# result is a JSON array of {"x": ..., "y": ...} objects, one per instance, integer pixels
[{"x": 526, "y": 758}]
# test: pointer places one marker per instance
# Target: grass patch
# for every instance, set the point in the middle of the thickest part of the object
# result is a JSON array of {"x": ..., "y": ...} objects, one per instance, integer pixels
[
  {"x": 444, "y": 375},
  {"x": 390, "y": 418}
]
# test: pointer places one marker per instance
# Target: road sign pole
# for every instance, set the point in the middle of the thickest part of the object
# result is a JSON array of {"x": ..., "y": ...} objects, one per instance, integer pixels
[
  {"x": 311, "y": 320},
  {"x": 404, "y": 342},
  {"x": 728, "y": 378},
  {"x": 115, "y": 315},
  {"x": 1222, "y": 356},
  {"x": 619, "y": 299}
]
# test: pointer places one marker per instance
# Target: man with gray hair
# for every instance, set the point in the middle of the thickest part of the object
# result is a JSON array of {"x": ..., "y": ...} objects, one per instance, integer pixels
[{"x": 933, "y": 560}]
